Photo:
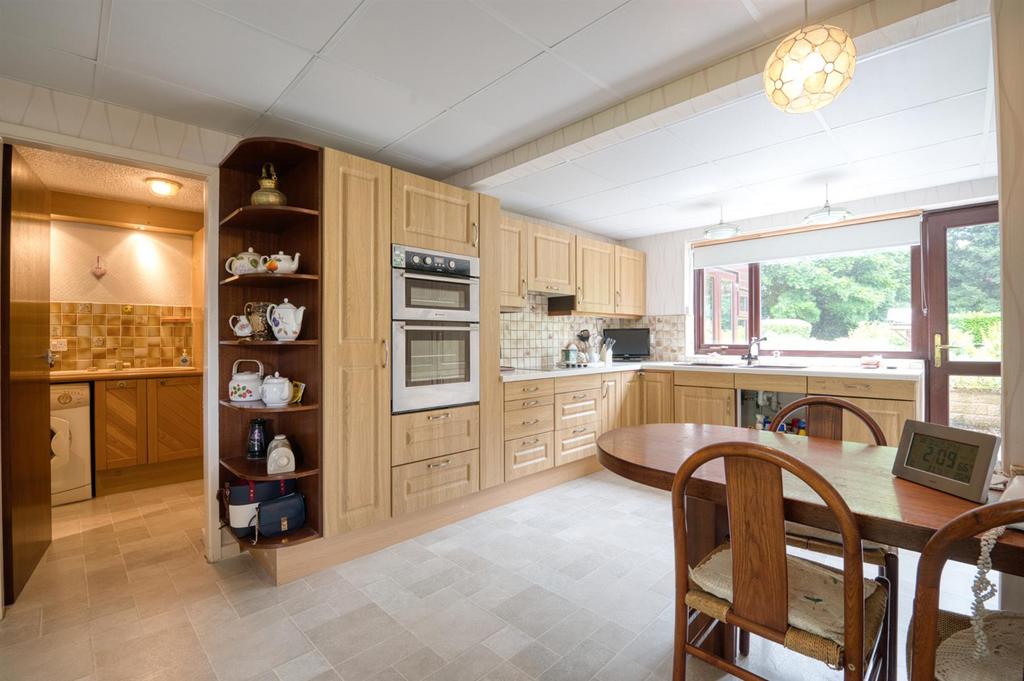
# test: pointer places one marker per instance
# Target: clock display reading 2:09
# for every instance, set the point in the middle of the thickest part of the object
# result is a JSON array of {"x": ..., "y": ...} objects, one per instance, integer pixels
[{"x": 953, "y": 460}]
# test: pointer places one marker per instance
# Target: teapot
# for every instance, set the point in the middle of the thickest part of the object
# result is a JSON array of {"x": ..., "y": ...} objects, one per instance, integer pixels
[
  {"x": 268, "y": 194},
  {"x": 240, "y": 326},
  {"x": 285, "y": 320},
  {"x": 276, "y": 390},
  {"x": 282, "y": 263},
  {"x": 246, "y": 262},
  {"x": 245, "y": 386}
]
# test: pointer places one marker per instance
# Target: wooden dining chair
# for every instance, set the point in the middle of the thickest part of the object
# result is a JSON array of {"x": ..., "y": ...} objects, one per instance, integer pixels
[
  {"x": 751, "y": 583},
  {"x": 825, "y": 420},
  {"x": 925, "y": 640}
]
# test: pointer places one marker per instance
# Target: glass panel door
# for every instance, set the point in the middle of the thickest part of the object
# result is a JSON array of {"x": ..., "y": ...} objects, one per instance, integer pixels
[
  {"x": 435, "y": 293},
  {"x": 436, "y": 356}
]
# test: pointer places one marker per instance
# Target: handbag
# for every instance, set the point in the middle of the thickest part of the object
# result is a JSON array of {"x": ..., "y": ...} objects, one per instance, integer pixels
[
  {"x": 281, "y": 515},
  {"x": 242, "y": 500}
]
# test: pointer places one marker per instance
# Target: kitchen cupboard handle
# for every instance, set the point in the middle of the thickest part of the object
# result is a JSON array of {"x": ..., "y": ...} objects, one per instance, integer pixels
[
  {"x": 530, "y": 403},
  {"x": 531, "y": 389},
  {"x": 618, "y": 296},
  {"x": 578, "y": 396},
  {"x": 579, "y": 294},
  {"x": 525, "y": 443},
  {"x": 440, "y": 417},
  {"x": 530, "y": 422},
  {"x": 122, "y": 384},
  {"x": 604, "y": 389},
  {"x": 440, "y": 464},
  {"x": 579, "y": 429},
  {"x": 387, "y": 354},
  {"x": 476, "y": 234},
  {"x": 522, "y": 288}
]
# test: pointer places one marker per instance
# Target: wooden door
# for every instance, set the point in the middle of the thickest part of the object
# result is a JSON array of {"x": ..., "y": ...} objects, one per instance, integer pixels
[
  {"x": 708, "y": 406},
  {"x": 120, "y": 423},
  {"x": 630, "y": 281},
  {"x": 632, "y": 400},
  {"x": 595, "y": 276},
  {"x": 657, "y": 392},
  {"x": 433, "y": 215},
  {"x": 174, "y": 410},
  {"x": 514, "y": 234},
  {"x": 551, "y": 260},
  {"x": 25, "y": 374},
  {"x": 890, "y": 415},
  {"x": 357, "y": 342}
]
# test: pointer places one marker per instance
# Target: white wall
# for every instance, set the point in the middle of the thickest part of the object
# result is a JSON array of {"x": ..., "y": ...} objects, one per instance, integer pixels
[{"x": 143, "y": 268}]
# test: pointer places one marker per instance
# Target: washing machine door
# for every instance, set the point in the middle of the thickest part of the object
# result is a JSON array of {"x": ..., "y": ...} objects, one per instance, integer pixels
[{"x": 60, "y": 455}]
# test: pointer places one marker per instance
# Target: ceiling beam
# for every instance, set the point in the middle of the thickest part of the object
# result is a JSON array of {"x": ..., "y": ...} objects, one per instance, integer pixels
[{"x": 112, "y": 213}]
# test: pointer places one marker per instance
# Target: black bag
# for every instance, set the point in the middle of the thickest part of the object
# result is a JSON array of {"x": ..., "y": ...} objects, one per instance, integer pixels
[
  {"x": 242, "y": 500},
  {"x": 280, "y": 516}
]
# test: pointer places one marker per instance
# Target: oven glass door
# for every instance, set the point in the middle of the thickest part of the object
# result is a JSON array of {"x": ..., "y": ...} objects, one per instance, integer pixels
[
  {"x": 436, "y": 365},
  {"x": 426, "y": 296}
]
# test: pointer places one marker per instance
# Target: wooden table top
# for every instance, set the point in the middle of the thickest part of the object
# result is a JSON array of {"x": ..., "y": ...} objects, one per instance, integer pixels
[{"x": 889, "y": 510}]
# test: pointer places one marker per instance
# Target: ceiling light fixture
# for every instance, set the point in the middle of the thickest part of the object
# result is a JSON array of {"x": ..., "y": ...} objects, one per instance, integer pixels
[
  {"x": 161, "y": 186},
  {"x": 810, "y": 67},
  {"x": 723, "y": 230},
  {"x": 828, "y": 213}
]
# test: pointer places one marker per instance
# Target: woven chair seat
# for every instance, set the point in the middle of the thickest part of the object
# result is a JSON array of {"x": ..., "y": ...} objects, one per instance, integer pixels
[{"x": 954, "y": 658}]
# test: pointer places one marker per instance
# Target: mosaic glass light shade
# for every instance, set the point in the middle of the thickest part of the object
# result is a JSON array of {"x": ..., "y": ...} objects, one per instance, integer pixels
[{"x": 809, "y": 68}]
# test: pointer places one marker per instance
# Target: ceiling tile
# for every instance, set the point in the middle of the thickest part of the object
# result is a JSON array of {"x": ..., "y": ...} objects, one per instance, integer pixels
[
  {"x": 202, "y": 50},
  {"x": 354, "y": 104},
  {"x": 412, "y": 164},
  {"x": 551, "y": 22},
  {"x": 684, "y": 184},
  {"x": 559, "y": 183},
  {"x": 780, "y": 17},
  {"x": 600, "y": 205},
  {"x": 69, "y": 26},
  {"x": 669, "y": 39},
  {"x": 949, "y": 155},
  {"x": 271, "y": 126},
  {"x": 449, "y": 48},
  {"x": 514, "y": 200},
  {"x": 24, "y": 60},
  {"x": 306, "y": 23},
  {"x": 639, "y": 158},
  {"x": 454, "y": 140},
  {"x": 166, "y": 99},
  {"x": 638, "y": 222},
  {"x": 815, "y": 152}
]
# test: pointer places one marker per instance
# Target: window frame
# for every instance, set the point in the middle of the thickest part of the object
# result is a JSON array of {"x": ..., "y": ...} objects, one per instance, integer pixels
[{"x": 918, "y": 323}]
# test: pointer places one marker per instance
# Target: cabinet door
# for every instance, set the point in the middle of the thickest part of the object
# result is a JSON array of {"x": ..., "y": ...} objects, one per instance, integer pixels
[
  {"x": 595, "y": 276},
  {"x": 889, "y": 414},
  {"x": 657, "y": 396},
  {"x": 631, "y": 412},
  {"x": 611, "y": 402},
  {"x": 428, "y": 434},
  {"x": 573, "y": 444},
  {"x": 514, "y": 234},
  {"x": 416, "y": 486},
  {"x": 576, "y": 408},
  {"x": 527, "y": 455},
  {"x": 551, "y": 260},
  {"x": 433, "y": 215},
  {"x": 630, "y": 281},
  {"x": 120, "y": 424},
  {"x": 175, "y": 418},
  {"x": 707, "y": 406},
  {"x": 356, "y": 342}
]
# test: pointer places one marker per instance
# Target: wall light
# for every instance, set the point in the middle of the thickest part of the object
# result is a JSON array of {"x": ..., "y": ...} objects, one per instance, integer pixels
[{"x": 161, "y": 186}]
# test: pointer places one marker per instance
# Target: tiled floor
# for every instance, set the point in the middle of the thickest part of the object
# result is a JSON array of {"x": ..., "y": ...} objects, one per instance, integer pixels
[{"x": 571, "y": 584}]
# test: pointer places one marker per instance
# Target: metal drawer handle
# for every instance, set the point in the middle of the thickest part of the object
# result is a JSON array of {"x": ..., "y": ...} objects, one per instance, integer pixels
[
  {"x": 552, "y": 288},
  {"x": 522, "y": 284},
  {"x": 531, "y": 389},
  {"x": 579, "y": 396},
  {"x": 530, "y": 422},
  {"x": 579, "y": 430},
  {"x": 440, "y": 464},
  {"x": 440, "y": 417},
  {"x": 530, "y": 403},
  {"x": 122, "y": 384},
  {"x": 387, "y": 354},
  {"x": 476, "y": 234},
  {"x": 525, "y": 443}
]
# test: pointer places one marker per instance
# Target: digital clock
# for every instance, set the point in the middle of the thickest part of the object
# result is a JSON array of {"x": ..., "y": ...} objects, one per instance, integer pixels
[{"x": 948, "y": 459}]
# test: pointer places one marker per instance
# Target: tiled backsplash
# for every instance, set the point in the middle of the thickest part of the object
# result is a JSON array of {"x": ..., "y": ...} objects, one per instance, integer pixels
[
  {"x": 100, "y": 335},
  {"x": 532, "y": 340}
]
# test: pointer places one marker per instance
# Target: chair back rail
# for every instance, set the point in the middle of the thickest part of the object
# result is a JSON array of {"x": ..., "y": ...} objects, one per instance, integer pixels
[
  {"x": 929, "y": 574},
  {"x": 825, "y": 417}
]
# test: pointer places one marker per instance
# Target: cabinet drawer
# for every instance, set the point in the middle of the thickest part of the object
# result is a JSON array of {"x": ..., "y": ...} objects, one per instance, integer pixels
[
  {"x": 424, "y": 435},
  {"x": 529, "y": 422},
  {"x": 572, "y": 444},
  {"x": 862, "y": 387},
  {"x": 775, "y": 382},
  {"x": 537, "y": 388},
  {"x": 567, "y": 384},
  {"x": 527, "y": 402},
  {"x": 420, "y": 485},
  {"x": 577, "y": 408},
  {"x": 527, "y": 455},
  {"x": 704, "y": 379}
]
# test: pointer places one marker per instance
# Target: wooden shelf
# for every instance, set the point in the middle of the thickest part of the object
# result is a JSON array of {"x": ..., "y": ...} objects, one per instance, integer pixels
[
  {"x": 303, "y": 534},
  {"x": 259, "y": 408},
  {"x": 250, "y": 469},
  {"x": 271, "y": 218},
  {"x": 254, "y": 343},
  {"x": 268, "y": 279}
]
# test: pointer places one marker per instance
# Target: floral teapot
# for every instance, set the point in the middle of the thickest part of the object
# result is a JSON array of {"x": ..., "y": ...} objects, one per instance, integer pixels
[
  {"x": 285, "y": 320},
  {"x": 246, "y": 262},
  {"x": 245, "y": 386},
  {"x": 280, "y": 263}
]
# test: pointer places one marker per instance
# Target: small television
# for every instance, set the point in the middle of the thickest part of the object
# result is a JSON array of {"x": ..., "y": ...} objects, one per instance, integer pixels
[{"x": 631, "y": 345}]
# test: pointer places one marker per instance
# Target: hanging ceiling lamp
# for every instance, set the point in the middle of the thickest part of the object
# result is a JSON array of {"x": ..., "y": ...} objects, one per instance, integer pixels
[
  {"x": 723, "y": 230},
  {"x": 828, "y": 213},
  {"x": 810, "y": 67}
]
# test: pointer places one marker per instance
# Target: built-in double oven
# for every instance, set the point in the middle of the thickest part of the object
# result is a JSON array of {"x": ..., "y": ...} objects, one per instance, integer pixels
[{"x": 435, "y": 329}]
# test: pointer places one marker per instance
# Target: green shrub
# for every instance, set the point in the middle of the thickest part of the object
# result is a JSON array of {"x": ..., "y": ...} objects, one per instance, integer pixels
[
  {"x": 786, "y": 327},
  {"x": 980, "y": 326}
]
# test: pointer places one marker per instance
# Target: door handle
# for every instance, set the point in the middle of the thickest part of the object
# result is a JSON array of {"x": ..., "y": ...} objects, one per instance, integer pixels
[
  {"x": 578, "y": 396},
  {"x": 440, "y": 417},
  {"x": 387, "y": 354},
  {"x": 531, "y": 389},
  {"x": 476, "y": 234},
  {"x": 440, "y": 464},
  {"x": 530, "y": 422},
  {"x": 530, "y": 403},
  {"x": 939, "y": 347},
  {"x": 522, "y": 288},
  {"x": 579, "y": 294}
]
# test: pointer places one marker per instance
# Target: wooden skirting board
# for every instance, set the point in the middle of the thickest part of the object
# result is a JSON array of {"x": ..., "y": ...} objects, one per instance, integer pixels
[
  {"x": 127, "y": 479},
  {"x": 287, "y": 565}
]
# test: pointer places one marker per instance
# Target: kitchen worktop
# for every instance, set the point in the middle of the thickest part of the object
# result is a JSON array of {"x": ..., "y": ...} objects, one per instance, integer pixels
[
  {"x": 85, "y": 375},
  {"x": 903, "y": 373}
]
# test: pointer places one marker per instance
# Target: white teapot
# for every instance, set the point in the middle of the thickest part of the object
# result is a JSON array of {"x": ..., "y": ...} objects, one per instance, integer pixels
[
  {"x": 245, "y": 386},
  {"x": 280, "y": 263},
  {"x": 246, "y": 262},
  {"x": 276, "y": 390},
  {"x": 285, "y": 320}
]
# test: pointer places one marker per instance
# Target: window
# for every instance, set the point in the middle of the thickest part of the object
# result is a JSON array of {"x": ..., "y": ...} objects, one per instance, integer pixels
[{"x": 847, "y": 303}]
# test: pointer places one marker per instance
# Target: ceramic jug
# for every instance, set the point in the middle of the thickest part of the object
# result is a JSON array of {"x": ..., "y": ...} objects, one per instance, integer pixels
[
  {"x": 281, "y": 263},
  {"x": 240, "y": 326},
  {"x": 245, "y": 386},
  {"x": 246, "y": 262},
  {"x": 285, "y": 320},
  {"x": 276, "y": 390}
]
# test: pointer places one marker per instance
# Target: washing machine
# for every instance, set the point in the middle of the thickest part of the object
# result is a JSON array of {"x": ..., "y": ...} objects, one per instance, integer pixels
[{"x": 70, "y": 444}]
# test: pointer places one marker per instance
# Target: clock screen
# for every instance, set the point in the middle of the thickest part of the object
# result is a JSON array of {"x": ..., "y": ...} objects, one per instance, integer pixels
[{"x": 950, "y": 459}]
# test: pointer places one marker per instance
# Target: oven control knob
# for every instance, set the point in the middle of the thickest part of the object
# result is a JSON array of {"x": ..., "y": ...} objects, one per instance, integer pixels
[
  {"x": 451, "y": 264},
  {"x": 416, "y": 259},
  {"x": 428, "y": 260}
]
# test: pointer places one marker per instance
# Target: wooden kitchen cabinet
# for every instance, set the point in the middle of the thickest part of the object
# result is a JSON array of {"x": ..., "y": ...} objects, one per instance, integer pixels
[
  {"x": 514, "y": 234},
  {"x": 428, "y": 434},
  {"x": 630, "y": 281},
  {"x": 551, "y": 260},
  {"x": 527, "y": 455},
  {"x": 578, "y": 442},
  {"x": 595, "y": 276},
  {"x": 632, "y": 411},
  {"x": 708, "y": 406},
  {"x": 890, "y": 415},
  {"x": 433, "y": 215},
  {"x": 420, "y": 485},
  {"x": 174, "y": 418},
  {"x": 657, "y": 396},
  {"x": 613, "y": 399},
  {"x": 120, "y": 423},
  {"x": 578, "y": 407}
]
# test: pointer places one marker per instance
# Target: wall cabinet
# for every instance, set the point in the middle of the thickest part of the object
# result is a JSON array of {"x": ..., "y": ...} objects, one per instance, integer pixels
[
  {"x": 630, "y": 281},
  {"x": 514, "y": 235},
  {"x": 709, "y": 406},
  {"x": 433, "y": 215},
  {"x": 657, "y": 396},
  {"x": 595, "y": 276},
  {"x": 551, "y": 260}
]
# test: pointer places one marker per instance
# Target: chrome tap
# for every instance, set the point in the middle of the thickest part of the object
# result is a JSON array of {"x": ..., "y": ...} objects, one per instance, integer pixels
[{"x": 755, "y": 344}]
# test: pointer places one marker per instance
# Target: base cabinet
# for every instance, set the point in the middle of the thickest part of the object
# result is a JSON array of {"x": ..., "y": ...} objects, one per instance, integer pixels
[
  {"x": 709, "y": 406},
  {"x": 527, "y": 455},
  {"x": 573, "y": 444},
  {"x": 175, "y": 418},
  {"x": 420, "y": 485},
  {"x": 120, "y": 424},
  {"x": 657, "y": 396},
  {"x": 890, "y": 415}
]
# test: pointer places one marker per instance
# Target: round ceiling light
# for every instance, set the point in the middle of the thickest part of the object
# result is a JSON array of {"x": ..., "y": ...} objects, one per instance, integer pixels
[
  {"x": 161, "y": 186},
  {"x": 809, "y": 68}
]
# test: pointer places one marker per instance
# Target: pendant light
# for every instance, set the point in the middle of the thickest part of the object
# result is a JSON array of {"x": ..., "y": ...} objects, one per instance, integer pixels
[
  {"x": 828, "y": 213},
  {"x": 810, "y": 67},
  {"x": 723, "y": 230}
]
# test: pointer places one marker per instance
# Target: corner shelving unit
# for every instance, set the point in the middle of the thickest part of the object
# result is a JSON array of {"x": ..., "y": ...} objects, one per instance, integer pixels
[{"x": 269, "y": 229}]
